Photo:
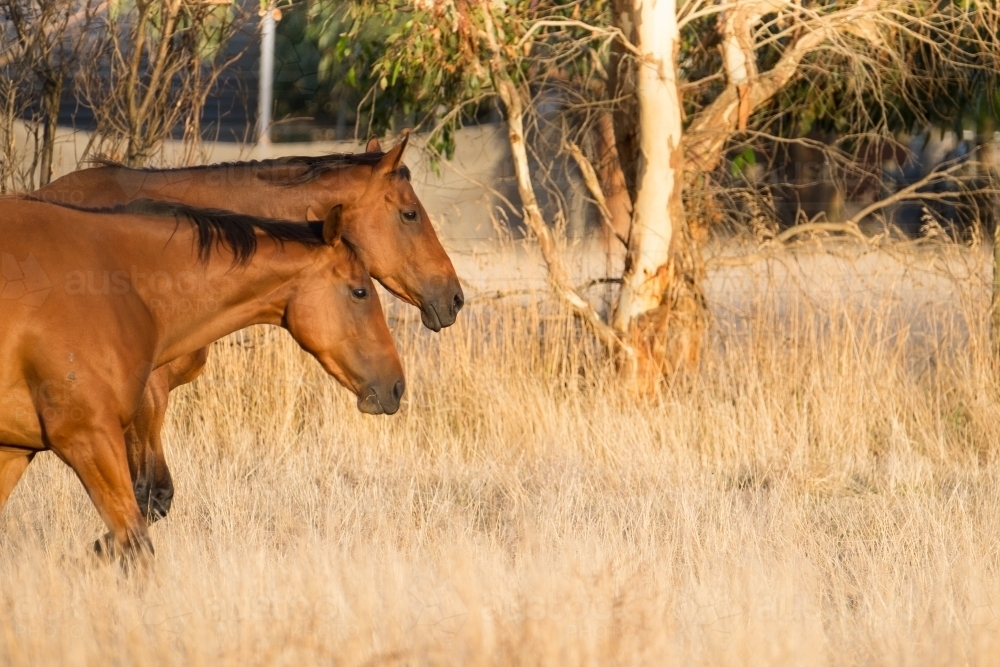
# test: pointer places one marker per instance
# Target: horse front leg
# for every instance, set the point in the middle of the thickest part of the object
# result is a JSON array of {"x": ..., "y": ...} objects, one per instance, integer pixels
[
  {"x": 151, "y": 480},
  {"x": 93, "y": 445}
]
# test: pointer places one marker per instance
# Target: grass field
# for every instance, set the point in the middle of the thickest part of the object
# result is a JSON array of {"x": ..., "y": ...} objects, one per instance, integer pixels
[{"x": 826, "y": 491}]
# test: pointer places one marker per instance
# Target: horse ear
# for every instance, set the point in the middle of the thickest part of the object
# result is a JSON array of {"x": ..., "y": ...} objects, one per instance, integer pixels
[
  {"x": 373, "y": 146},
  {"x": 332, "y": 225},
  {"x": 390, "y": 161}
]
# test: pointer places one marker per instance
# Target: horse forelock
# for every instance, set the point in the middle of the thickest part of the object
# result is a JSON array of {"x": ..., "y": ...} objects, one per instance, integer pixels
[{"x": 402, "y": 172}]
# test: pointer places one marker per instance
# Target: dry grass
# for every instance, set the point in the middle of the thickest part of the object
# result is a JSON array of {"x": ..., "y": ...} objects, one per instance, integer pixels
[{"x": 826, "y": 492}]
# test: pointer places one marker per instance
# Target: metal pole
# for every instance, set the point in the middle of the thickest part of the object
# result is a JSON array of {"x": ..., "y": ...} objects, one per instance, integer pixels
[{"x": 265, "y": 93}]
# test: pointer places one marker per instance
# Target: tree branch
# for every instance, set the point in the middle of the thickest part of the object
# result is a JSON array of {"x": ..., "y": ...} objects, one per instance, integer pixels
[
  {"x": 558, "y": 275},
  {"x": 594, "y": 185},
  {"x": 570, "y": 23},
  {"x": 713, "y": 126},
  {"x": 850, "y": 228},
  {"x": 912, "y": 189}
]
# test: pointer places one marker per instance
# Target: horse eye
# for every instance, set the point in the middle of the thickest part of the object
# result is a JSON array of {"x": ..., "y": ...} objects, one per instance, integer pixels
[
  {"x": 360, "y": 293},
  {"x": 410, "y": 216}
]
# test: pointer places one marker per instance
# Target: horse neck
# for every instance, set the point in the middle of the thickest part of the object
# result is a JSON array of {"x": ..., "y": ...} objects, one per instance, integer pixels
[{"x": 226, "y": 298}]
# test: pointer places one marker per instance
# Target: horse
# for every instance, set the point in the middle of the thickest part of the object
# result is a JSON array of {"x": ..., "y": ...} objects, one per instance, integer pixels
[
  {"x": 93, "y": 301},
  {"x": 395, "y": 240}
]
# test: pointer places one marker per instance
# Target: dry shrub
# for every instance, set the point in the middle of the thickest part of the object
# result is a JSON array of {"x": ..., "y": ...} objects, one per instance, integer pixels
[{"x": 825, "y": 492}]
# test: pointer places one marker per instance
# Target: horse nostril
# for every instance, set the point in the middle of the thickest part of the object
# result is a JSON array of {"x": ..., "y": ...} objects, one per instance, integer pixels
[
  {"x": 397, "y": 390},
  {"x": 458, "y": 303}
]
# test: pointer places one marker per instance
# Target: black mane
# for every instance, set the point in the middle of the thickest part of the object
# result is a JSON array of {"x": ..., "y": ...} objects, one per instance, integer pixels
[
  {"x": 218, "y": 228},
  {"x": 312, "y": 167}
]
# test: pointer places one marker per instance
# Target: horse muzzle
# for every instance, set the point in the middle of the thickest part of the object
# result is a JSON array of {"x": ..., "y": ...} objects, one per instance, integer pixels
[
  {"x": 379, "y": 401},
  {"x": 442, "y": 310}
]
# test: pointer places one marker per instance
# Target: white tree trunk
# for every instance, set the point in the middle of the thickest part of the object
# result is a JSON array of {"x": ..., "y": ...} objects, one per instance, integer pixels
[{"x": 658, "y": 209}]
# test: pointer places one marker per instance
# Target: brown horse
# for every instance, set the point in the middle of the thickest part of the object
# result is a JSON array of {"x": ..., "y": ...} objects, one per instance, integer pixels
[
  {"x": 92, "y": 302},
  {"x": 394, "y": 239}
]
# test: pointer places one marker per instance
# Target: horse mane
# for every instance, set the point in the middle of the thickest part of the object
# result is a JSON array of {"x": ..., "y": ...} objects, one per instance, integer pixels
[
  {"x": 312, "y": 166},
  {"x": 219, "y": 228}
]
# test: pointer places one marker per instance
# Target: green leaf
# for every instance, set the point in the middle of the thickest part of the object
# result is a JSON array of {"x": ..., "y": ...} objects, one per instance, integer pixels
[{"x": 747, "y": 158}]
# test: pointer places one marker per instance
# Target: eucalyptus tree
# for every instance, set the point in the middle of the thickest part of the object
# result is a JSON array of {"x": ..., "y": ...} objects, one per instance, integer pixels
[{"x": 683, "y": 82}]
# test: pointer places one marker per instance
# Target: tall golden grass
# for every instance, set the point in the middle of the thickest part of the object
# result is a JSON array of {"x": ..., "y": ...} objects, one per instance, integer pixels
[{"x": 825, "y": 491}]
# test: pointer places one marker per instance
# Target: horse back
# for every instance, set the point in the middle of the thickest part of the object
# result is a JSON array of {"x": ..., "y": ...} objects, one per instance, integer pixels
[
  {"x": 235, "y": 187},
  {"x": 109, "y": 186}
]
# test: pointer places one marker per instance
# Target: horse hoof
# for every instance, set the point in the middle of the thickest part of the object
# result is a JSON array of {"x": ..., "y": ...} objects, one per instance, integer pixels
[
  {"x": 104, "y": 549},
  {"x": 136, "y": 558}
]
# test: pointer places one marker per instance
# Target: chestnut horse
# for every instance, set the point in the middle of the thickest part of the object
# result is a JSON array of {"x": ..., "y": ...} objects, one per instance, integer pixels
[
  {"x": 93, "y": 301},
  {"x": 394, "y": 239}
]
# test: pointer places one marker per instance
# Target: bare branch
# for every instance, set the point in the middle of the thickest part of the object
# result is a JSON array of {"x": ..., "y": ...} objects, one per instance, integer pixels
[
  {"x": 558, "y": 275},
  {"x": 612, "y": 32},
  {"x": 908, "y": 192},
  {"x": 714, "y": 124},
  {"x": 594, "y": 185},
  {"x": 850, "y": 228}
]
